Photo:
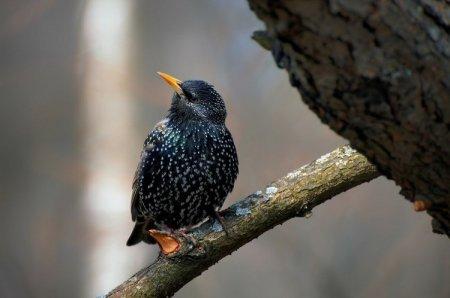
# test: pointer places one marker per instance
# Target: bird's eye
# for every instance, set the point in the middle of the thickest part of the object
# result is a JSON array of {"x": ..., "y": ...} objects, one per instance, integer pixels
[{"x": 189, "y": 96}]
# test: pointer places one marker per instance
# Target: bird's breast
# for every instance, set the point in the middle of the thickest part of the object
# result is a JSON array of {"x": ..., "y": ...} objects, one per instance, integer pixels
[{"x": 189, "y": 169}]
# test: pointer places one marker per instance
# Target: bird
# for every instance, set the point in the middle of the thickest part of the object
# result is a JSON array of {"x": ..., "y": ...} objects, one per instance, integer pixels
[{"x": 188, "y": 164}]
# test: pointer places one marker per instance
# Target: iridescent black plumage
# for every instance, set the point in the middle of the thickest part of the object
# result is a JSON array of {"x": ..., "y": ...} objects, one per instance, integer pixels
[{"x": 188, "y": 164}]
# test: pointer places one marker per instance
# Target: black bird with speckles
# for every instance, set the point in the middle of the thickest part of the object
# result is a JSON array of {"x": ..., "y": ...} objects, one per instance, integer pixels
[{"x": 188, "y": 164}]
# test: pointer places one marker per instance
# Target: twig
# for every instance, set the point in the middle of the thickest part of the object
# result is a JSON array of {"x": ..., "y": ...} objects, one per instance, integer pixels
[{"x": 294, "y": 195}]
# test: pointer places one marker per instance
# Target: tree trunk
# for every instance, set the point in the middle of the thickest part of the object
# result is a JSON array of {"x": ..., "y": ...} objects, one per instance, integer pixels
[{"x": 378, "y": 73}]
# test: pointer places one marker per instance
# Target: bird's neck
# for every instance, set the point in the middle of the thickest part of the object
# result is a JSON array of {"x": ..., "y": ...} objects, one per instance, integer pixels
[
  {"x": 192, "y": 122},
  {"x": 180, "y": 116},
  {"x": 190, "y": 119}
]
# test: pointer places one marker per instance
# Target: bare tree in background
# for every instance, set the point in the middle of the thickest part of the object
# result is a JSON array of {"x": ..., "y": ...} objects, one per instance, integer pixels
[{"x": 41, "y": 216}]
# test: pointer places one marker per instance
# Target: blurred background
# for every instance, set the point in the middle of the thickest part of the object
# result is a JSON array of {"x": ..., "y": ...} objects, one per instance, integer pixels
[{"x": 78, "y": 94}]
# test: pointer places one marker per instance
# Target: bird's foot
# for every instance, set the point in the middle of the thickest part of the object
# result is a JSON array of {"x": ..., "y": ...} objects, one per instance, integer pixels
[
  {"x": 216, "y": 215},
  {"x": 185, "y": 233}
]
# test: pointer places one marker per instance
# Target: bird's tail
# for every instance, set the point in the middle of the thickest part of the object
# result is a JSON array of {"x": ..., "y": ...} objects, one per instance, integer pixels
[{"x": 140, "y": 233}]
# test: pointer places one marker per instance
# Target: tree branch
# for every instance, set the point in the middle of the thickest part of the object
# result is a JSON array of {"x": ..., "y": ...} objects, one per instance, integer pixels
[{"x": 294, "y": 195}]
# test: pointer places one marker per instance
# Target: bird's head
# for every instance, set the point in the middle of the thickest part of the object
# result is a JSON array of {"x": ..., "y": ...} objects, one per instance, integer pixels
[{"x": 195, "y": 99}]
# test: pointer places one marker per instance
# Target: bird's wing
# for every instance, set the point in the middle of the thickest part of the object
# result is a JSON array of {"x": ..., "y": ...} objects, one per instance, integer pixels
[
  {"x": 149, "y": 144},
  {"x": 135, "y": 187}
]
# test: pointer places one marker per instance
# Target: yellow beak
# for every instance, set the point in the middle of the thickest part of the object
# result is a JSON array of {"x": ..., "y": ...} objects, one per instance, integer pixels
[{"x": 172, "y": 81}]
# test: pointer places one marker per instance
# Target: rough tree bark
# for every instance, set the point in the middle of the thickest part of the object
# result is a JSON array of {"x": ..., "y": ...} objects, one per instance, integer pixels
[
  {"x": 378, "y": 73},
  {"x": 294, "y": 195}
]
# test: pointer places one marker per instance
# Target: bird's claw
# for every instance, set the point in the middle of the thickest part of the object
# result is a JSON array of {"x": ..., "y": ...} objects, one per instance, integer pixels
[
  {"x": 185, "y": 234},
  {"x": 219, "y": 218}
]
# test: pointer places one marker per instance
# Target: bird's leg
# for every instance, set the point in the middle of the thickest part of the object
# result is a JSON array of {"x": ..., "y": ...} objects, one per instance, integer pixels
[{"x": 216, "y": 215}]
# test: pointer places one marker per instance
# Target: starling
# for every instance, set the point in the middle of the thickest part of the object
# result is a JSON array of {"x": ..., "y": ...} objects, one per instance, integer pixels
[{"x": 188, "y": 164}]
